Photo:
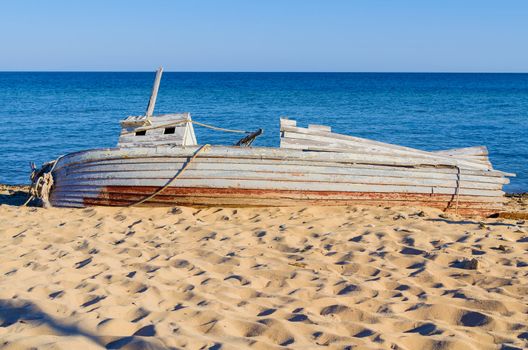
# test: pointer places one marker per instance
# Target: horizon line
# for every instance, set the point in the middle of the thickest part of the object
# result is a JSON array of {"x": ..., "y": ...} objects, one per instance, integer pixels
[{"x": 264, "y": 71}]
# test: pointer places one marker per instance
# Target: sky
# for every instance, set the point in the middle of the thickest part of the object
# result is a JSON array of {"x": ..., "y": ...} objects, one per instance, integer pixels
[{"x": 265, "y": 35}]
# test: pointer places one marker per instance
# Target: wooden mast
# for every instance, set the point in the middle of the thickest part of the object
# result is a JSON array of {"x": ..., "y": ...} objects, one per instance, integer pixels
[{"x": 154, "y": 95}]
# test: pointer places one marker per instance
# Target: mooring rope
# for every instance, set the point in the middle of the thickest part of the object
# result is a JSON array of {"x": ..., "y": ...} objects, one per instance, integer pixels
[
  {"x": 221, "y": 129},
  {"x": 178, "y": 174},
  {"x": 457, "y": 190},
  {"x": 41, "y": 184}
]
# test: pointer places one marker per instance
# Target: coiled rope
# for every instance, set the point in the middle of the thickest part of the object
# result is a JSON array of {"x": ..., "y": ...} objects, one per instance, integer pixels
[
  {"x": 41, "y": 183},
  {"x": 175, "y": 177}
]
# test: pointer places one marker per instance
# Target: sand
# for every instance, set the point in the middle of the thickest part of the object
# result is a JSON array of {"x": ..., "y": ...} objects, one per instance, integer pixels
[{"x": 299, "y": 278}]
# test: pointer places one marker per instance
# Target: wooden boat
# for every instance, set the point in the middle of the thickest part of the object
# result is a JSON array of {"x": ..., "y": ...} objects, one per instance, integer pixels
[{"x": 158, "y": 162}]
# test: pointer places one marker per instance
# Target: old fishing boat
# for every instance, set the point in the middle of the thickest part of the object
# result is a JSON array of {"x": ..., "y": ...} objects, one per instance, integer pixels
[{"x": 158, "y": 162}]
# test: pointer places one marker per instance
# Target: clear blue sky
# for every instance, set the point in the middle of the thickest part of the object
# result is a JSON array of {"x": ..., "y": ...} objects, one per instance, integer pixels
[{"x": 265, "y": 35}]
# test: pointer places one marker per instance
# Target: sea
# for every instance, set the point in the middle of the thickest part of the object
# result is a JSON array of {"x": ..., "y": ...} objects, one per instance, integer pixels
[{"x": 46, "y": 114}]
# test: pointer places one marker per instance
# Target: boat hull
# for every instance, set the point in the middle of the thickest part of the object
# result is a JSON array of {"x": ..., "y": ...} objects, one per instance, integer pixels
[{"x": 238, "y": 177}]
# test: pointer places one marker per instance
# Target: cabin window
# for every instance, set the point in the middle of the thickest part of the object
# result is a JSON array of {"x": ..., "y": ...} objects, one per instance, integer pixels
[
  {"x": 141, "y": 133},
  {"x": 170, "y": 130}
]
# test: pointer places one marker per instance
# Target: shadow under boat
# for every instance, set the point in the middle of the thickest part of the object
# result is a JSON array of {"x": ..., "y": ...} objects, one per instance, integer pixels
[{"x": 13, "y": 195}]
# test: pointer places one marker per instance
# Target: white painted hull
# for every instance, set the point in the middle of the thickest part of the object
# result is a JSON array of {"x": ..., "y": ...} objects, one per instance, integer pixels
[{"x": 233, "y": 176}]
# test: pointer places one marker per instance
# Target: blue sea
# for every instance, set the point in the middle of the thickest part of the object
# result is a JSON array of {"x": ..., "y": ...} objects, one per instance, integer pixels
[{"x": 44, "y": 115}]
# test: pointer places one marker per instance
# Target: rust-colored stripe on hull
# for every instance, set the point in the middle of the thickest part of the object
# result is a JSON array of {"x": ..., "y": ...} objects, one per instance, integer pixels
[{"x": 233, "y": 197}]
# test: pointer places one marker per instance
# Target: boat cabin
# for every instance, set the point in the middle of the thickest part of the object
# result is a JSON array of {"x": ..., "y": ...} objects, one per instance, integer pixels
[{"x": 167, "y": 129}]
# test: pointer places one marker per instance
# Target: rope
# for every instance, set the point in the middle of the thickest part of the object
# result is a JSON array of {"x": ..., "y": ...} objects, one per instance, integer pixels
[
  {"x": 183, "y": 122},
  {"x": 30, "y": 198},
  {"x": 221, "y": 129},
  {"x": 41, "y": 183},
  {"x": 457, "y": 191},
  {"x": 178, "y": 174}
]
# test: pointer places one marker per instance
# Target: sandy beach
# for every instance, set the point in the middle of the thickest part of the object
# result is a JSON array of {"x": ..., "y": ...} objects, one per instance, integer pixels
[{"x": 298, "y": 278}]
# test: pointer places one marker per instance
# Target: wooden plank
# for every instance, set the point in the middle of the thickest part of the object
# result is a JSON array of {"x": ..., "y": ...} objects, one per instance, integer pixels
[
  {"x": 287, "y": 122},
  {"x": 278, "y": 176},
  {"x": 261, "y": 201},
  {"x": 153, "y": 137},
  {"x": 279, "y": 185},
  {"x": 280, "y": 194},
  {"x": 477, "y": 153},
  {"x": 136, "y": 121},
  {"x": 290, "y": 141},
  {"x": 284, "y": 194},
  {"x": 317, "y": 143},
  {"x": 457, "y": 153},
  {"x": 484, "y": 176},
  {"x": 119, "y": 166},
  {"x": 308, "y": 142},
  {"x": 359, "y": 140},
  {"x": 154, "y": 134},
  {"x": 260, "y": 153},
  {"x": 151, "y": 142},
  {"x": 297, "y": 196},
  {"x": 319, "y": 127},
  {"x": 466, "y": 151},
  {"x": 82, "y": 204},
  {"x": 154, "y": 95},
  {"x": 296, "y": 132},
  {"x": 473, "y": 158},
  {"x": 120, "y": 197},
  {"x": 321, "y": 143},
  {"x": 77, "y": 203}
]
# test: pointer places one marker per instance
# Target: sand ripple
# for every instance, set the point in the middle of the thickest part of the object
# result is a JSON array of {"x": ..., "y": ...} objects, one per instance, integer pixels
[{"x": 338, "y": 278}]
